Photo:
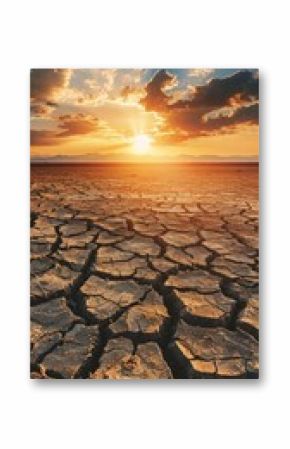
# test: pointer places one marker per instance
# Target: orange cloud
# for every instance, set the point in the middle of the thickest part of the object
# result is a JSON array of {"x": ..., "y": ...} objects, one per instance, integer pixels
[
  {"x": 75, "y": 124},
  {"x": 68, "y": 125}
]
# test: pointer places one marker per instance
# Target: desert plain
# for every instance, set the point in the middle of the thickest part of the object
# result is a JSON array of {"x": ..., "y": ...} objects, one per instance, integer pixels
[{"x": 144, "y": 271}]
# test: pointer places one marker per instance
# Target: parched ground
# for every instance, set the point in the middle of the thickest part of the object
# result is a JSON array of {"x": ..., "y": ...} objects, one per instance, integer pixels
[{"x": 144, "y": 272}]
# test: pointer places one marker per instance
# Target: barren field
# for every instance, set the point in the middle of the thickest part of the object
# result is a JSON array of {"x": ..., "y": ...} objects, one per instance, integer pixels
[{"x": 144, "y": 271}]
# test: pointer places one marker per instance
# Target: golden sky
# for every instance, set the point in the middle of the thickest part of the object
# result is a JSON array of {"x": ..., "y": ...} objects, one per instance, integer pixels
[{"x": 143, "y": 114}]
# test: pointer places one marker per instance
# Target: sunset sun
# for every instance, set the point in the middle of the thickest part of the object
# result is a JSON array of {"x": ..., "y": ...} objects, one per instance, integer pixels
[{"x": 142, "y": 143}]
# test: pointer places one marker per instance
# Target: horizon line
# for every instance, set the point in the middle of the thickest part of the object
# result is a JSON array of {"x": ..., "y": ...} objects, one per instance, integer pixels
[{"x": 245, "y": 162}]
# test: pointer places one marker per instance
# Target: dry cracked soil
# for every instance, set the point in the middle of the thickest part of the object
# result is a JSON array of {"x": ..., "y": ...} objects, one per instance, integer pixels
[{"x": 144, "y": 271}]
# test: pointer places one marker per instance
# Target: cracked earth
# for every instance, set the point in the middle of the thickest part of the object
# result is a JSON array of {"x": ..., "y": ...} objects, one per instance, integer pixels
[{"x": 144, "y": 272}]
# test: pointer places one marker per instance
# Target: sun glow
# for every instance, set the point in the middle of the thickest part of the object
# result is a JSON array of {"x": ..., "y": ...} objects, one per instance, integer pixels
[{"x": 142, "y": 143}]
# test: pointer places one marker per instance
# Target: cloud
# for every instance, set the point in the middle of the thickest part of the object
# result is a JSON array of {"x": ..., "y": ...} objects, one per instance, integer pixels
[
  {"x": 155, "y": 98},
  {"x": 68, "y": 125},
  {"x": 215, "y": 107},
  {"x": 47, "y": 84},
  {"x": 189, "y": 123},
  {"x": 131, "y": 94},
  {"x": 76, "y": 124},
  {"x": 97, "y": 86},
  {"x": 46, "y": 87},
  {"x": 242, "y": 115},
  {"x": 40, "y": 109},
  {"x": 219, "y": 92},
  {"x": 43, "y": 138},
  {"x": 200, "y": 73}
]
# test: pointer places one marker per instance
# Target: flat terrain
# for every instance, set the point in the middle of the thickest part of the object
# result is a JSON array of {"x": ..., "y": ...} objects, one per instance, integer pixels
[{"x": 144, "y": 271}]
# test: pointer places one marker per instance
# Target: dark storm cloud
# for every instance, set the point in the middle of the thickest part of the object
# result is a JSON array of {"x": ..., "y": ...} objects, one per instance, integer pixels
[
  {"x": 217, "y": 106},
  {"x": 46, "y": 84},
  {"x": 240, "y": 87}
]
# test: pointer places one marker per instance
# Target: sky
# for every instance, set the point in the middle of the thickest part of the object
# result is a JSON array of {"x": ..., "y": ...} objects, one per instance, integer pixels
[{"x": 148, "y": 115}]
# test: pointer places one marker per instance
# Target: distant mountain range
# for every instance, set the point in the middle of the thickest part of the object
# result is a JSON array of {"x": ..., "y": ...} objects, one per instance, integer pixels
[{"x": 109, "y": 158}]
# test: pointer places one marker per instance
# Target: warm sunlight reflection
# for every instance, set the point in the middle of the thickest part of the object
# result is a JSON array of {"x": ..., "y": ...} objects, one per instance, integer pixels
[{"x": 141, "y": 143}]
